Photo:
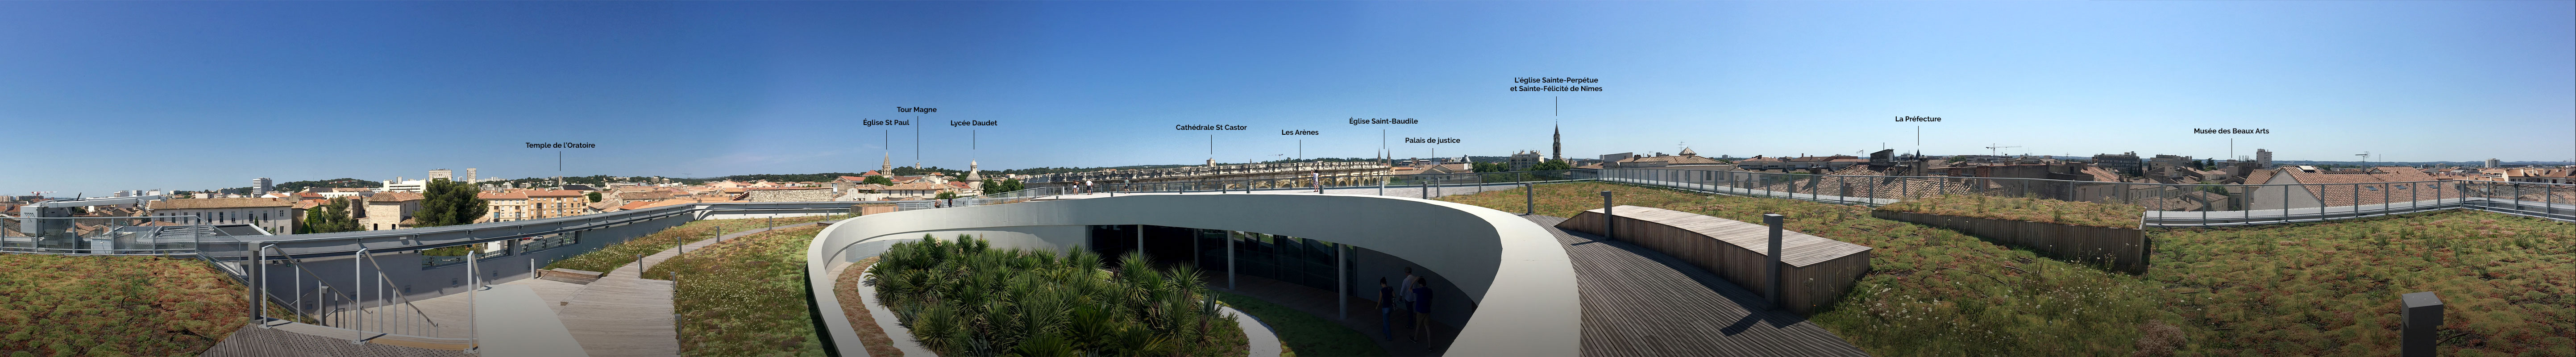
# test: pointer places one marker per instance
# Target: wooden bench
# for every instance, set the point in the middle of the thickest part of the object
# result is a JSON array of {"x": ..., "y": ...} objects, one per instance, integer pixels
[
  {"x": 583, "y": 277},
  {"x": 1815, "y": 271}
]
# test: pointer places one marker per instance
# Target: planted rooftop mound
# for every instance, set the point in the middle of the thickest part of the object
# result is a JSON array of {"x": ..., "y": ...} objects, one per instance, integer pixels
[
  {"x": 2331, "y": 288},
  {"x": 2030, "y": 209},
  {"x": 2327, "y": 288},
  {"x": 617, "y": 255},
  {"x": 52, "y": 305},
  {"x": 745, "y": 296},
  {"x": 962, "y": 298}
]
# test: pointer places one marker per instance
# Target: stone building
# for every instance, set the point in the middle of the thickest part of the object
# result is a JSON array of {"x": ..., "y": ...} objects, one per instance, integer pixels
[
  {"x": 391, "y": 210},
  {"x": 272, "y": 214},
  {"x": 789, "y": 194}
]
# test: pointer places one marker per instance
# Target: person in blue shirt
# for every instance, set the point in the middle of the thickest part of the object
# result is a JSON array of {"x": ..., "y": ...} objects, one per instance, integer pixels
[
  {"x": 1422, "y": 310},
  {"x": 1385, "y": 306}
]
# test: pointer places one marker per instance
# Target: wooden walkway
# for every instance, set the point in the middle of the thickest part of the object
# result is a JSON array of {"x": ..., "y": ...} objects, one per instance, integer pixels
[
  {"x": 1637, "y": 302},
  {"x": 1363, "y": 312},
  {"x": 252, "y": 341}
]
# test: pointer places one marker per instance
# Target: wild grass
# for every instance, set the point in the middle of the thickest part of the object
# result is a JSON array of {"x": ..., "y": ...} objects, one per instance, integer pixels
[
  {"x": 2026, "y": 209},
  {"x": 610, "y": 257},
  {"x": 1304, "y": 333},
  {"x": 745, "y": 296},
  {"x": 53, "y": 305},
  {"x": 2332, "y": 288},
  {"x": 962, "y": 298},
  {"x": 2284, "y": 290}
]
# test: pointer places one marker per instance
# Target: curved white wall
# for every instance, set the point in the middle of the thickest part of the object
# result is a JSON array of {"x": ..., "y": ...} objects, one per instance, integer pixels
[{"x": 1515, "y": 271}]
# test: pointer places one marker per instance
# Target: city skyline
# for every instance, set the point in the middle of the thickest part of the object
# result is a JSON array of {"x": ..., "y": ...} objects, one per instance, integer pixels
[{"x": 227, "y": 92}]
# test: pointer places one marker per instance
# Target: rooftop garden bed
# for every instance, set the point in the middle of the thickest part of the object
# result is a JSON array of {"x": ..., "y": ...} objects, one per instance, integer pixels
[
  {"x": 53, "y": 305},
  {"x": 2026, "y": 209},
  {"x": 2308, "y": 289},
  {"x": 745, "y": 296},
  {"x": 963, "y": 298}
]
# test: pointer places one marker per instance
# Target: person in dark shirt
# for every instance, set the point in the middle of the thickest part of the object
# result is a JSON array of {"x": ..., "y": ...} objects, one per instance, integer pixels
[
  {"x": 1422, "y": 310},
  {"x": 1385, "y": 306}
]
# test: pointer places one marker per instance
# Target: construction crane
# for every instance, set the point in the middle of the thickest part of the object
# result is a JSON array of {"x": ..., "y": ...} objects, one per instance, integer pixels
[{"x": 1998, "y": 149}]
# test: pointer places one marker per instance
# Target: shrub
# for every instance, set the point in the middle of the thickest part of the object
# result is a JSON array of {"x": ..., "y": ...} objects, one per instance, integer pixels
[{"x": 964, "y": 298}]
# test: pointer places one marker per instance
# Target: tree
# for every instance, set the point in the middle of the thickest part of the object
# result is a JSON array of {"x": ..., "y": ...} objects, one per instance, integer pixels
[
  {"x": 1491, "y": 167},
  {"x": 945, "y": 195},
  {"x": 594, "y": 196},
  {"x": 450, "y": 203},
  {"x": 328, "y": 218},
  {"x": 1014, "y": 185},
  {"x": 881, "y": 180},
  {"x": 1551, "y": 165}
]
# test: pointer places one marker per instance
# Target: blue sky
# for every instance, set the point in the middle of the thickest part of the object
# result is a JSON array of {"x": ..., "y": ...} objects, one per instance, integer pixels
[{"x": 191, "y": 95}]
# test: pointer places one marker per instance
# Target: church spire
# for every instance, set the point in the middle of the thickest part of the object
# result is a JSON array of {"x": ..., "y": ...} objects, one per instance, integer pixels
[
  {"x": 1557, "y": 148},
  {"x": 888, "y": 167}
]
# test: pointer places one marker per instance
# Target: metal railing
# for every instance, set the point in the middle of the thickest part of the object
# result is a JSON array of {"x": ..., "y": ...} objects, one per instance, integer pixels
[
  {"x": 145, "y": 235},
  {"x": 364, "y": 309},
  {"x": 2165, "y": 205}
]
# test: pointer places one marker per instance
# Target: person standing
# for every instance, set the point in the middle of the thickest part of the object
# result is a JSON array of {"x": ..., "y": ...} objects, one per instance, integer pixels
[
  {"x": 1422, "y": 311},
  {"x": 1404, "y": 293},
  {"x": 1385, "y": 307}
]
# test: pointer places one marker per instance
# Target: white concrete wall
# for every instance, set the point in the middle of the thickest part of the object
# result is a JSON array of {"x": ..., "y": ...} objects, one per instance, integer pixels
[{"x": 1519, "y": 276}]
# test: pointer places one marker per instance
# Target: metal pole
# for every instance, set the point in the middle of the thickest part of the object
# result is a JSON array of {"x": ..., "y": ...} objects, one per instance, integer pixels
[
  {"x": 1529, "y": 199},
  {"x": 1140, "y": 239},
  {"x": 358, "y": 280},
  {"x": 473, "y": 281},
  {"x": 1229, "y": 260},
  {"x": 1772, "y": 269},
  {"x": 2423, "y": 313},
  {"x": 258, "y": 280},
  {"x": 1341, "y": 284}
]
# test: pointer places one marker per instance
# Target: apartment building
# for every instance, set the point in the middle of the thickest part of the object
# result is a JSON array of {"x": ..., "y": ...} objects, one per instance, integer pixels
[
  {"x": 556, "y": 203},
  {"x": 505, "y": 206}
]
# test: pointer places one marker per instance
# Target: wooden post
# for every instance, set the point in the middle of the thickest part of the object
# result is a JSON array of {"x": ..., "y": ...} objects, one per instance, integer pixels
[
  {"x": 2423, "y": 314},
  {"x": 1772, "y": 270}
]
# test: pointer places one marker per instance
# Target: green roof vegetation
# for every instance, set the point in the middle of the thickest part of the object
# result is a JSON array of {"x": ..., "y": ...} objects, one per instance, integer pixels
[
  {"x": 54, "y": 305},
  {"x": 963, "y": 298},
  {"x": 2026, "y": 209},
  {"x": 2306, "y": 289}
]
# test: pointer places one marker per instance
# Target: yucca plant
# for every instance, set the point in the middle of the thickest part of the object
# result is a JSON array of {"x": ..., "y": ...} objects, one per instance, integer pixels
[{"x": 964, "y": 298}]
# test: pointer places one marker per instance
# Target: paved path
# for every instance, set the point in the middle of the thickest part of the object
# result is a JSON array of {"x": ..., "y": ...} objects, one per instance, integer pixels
[
  {"x": 1363, "y": 318},
  {"x": 1637, "y": 302}
]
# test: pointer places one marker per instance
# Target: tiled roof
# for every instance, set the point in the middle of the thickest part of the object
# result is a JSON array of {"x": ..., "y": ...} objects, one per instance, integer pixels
[
  {"x": 2102, "y": 175},
  {"x": 2258, "y": 177},
  {"x": 310, "y": 204},
  {"x": 635, "y": 205},
  {"x": 502, "y": 195},
  {"x": 917, "y": 186},
  {"x": 553, "y": 193},
  {"x": 2344, "y": 188},
  {"x": 395, "y": 197},
  {"x": 789, "y": 188}
]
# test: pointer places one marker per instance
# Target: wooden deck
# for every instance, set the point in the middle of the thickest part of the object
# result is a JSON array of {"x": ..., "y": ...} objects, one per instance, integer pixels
[
  {"x": 1815, "y": 271},
  {"x": 1637, "y": 302},
  {"x": 252, "y": 341}
]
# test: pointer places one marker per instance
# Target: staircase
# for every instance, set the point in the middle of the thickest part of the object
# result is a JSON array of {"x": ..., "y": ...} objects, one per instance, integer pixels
[{"x": 569, "y": 276}]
